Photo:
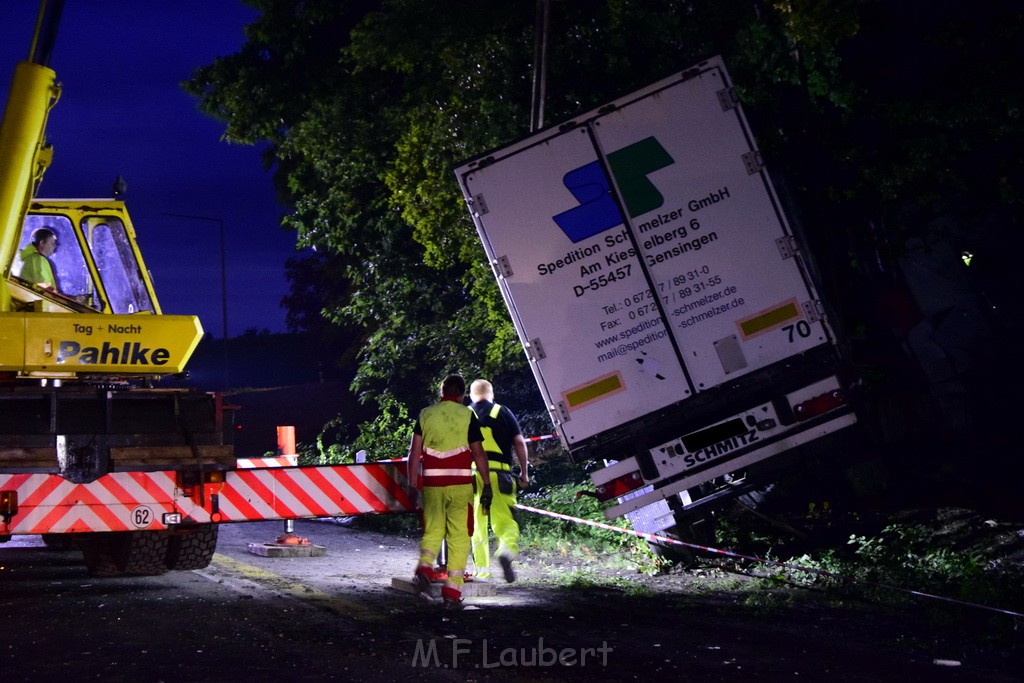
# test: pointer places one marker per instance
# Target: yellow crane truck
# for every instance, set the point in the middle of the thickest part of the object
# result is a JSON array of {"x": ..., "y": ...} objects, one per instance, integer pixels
[{"x": 138, "y": 476}]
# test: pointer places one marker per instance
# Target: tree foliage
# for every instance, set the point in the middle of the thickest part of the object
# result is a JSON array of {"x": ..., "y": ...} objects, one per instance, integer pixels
[{"x": 882, "y": 118}]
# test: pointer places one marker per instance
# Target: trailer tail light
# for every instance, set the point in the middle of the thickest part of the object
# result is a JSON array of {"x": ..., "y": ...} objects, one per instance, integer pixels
[
  {"x": 619, "y": 486},
  {"x": 818, "y": 405}
]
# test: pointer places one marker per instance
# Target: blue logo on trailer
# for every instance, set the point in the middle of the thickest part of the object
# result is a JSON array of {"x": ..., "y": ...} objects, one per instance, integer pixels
[{"x": 590, "y": 186}]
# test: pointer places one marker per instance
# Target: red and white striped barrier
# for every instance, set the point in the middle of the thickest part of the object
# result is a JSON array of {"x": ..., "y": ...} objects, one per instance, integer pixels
[
  {"x": 126, "y": 501},
  {"x": 277, "y": 461},
  {"x": 293, "y": 493}
]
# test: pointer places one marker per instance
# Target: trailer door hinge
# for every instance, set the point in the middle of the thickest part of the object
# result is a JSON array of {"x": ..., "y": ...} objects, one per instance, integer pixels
[
  {"x": 728, "y": 98},
  {"x": 479, "y": 206},
  {"x": 752, "y": 162},
  {"x": 559, "y": 413},
  {"x": 502, "y": 267},
  {"x": 787, "y": 247},
  {"x": 813, "y": 310},
  {"x": 536, "y": 350}
]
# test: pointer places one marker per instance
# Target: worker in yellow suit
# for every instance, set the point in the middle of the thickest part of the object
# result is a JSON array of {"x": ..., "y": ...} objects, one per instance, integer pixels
[
  {"x": 502, "y": 437},
  {"x": 446, "y": 442},
  {"x": 35, "y": 258}
]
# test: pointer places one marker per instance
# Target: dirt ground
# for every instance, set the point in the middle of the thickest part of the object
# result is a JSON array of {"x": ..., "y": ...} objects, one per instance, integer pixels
[
  {"x": 570, "y": 616},
  {"x": 703, "y": 624}
]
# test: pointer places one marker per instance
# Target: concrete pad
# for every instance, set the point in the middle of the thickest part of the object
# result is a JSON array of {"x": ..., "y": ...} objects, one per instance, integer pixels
[
  {"x": 286, "y": 550},
  {"x": 472, "y": 589}
]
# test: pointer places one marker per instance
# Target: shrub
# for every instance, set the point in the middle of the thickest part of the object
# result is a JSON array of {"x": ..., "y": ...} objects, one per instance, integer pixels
[{"x": 384, "y": 438}]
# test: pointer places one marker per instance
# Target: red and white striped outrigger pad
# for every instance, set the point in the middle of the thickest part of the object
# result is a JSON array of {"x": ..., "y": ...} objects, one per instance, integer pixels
[{"x": 126, "y": 501}]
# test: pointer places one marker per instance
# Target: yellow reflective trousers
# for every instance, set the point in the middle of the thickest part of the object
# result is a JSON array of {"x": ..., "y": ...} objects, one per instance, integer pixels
[
  {"x": 446, "y": 515},
  {"x": 501, "y": 520}
]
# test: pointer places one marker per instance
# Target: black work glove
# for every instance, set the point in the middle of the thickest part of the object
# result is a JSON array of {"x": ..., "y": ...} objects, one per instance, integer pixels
[{"x": 486, "y": 496}]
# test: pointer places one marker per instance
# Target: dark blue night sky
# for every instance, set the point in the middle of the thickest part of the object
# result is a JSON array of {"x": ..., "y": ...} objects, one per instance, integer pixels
[{"x": 123, "y": 112}]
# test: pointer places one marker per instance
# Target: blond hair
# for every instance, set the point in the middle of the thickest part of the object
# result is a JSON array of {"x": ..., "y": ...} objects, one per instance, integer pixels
[{"x": 481, "y": 389}]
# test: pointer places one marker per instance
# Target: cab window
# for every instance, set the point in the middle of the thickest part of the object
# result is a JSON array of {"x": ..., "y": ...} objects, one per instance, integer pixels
[
  {"x": 118, "y": 269},
  {"x": 67, "y": 260}
]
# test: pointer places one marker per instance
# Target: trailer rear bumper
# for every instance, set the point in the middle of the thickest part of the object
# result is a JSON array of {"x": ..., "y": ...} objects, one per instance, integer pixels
[{"x": 744, "y": 459}]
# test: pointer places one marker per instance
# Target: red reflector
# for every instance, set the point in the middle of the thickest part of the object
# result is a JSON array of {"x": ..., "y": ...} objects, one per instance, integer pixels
[
  {"x": 619, "y": 486},
  {"x": 813, "y": 407}
]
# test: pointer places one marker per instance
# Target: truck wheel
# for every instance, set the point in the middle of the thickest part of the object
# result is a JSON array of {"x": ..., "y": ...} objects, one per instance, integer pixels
[
  {"x": 99, "y": 556},
  {"x": 192, "y": 549},
  {"x": 58, "y": 541},
  {"x": 144, "y": 553},
  {"x": 697, "y": 531},
  {"x": 136, "y": 553}
]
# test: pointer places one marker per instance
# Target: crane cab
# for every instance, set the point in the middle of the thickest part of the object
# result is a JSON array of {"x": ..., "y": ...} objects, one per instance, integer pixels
[
  {"x": 97, "y": 264},
  {"x": 100, "y": 316}
]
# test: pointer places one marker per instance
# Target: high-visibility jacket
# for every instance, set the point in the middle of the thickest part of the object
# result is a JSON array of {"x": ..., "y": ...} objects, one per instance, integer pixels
[
  {"x": 490, "y": 445},
  {"x": 36, "y": 267},
  {"x": 446, "y": 428},
  {"x": 499, "y": 427}
]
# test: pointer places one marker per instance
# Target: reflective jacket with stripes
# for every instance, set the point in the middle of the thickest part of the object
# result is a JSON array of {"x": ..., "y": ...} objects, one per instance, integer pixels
[{"x": 447, "y": 428}]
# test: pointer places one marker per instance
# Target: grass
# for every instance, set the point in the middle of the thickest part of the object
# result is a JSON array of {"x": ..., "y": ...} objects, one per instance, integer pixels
[
  {"x": 858, "y": 556},
  {"x": 573, "y": 539},
  {"x": 949, "y": 553},
  {"x": 889, "y": 559}
]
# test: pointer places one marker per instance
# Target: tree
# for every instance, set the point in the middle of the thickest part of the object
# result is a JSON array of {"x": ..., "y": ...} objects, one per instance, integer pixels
[{"x": 881, "y": 120}]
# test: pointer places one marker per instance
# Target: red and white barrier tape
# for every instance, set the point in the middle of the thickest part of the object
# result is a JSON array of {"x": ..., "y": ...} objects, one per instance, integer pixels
[
  {"x": 542, "y": 437},
  {"x": 811, "y": 570}
]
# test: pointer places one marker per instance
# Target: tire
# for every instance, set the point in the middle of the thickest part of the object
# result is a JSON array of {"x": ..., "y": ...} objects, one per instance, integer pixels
[
  {"x": 700, "y": 531},
  {"x": 97, "y": 550},
  {"x": 145, "y": 553},
  {"x": 192, "y": 549},
  {"x": 58, "y": 541},
  {"x": 756, "y": 499},
  {"x": 133, "y": 553}
]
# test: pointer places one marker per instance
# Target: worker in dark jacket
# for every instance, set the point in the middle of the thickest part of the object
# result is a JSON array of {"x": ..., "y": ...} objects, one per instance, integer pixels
[
  {"x": 505, "y": 446},
  {"x": 445, "y": 445}
]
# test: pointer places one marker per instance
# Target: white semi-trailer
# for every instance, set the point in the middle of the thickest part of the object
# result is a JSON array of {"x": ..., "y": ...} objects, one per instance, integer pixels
[{"x": 667, "y": 309}]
